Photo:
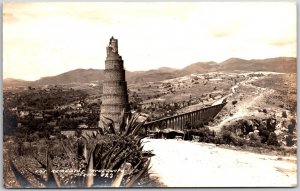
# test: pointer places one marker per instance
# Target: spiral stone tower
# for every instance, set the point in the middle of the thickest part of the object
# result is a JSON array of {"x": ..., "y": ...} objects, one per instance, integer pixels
[{"x": 115, "y": 95}]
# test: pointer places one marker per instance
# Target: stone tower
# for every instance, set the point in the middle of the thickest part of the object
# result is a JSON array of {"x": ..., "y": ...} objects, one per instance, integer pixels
[{"x": 115, "y": 95}]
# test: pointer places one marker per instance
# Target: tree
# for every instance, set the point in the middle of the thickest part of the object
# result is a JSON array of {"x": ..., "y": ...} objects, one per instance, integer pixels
[
  {"x": 82, "y": 100},
  {"x": 188, "y": 125},
  {"x": 9, "y": 122}
]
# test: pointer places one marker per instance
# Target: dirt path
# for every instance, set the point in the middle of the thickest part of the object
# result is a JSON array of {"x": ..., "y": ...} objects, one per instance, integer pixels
[
  {"x": 244, "y": 108},
  {"x": 191, "y": 164}
]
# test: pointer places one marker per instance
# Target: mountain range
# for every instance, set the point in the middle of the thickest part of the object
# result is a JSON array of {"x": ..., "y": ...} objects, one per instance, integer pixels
[{"x": 279, "y": 64}]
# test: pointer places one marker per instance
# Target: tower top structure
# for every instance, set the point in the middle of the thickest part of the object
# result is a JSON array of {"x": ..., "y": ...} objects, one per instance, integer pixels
[
  {"x": 112, "y": 48},
  {"x": 115, "y": 95}
]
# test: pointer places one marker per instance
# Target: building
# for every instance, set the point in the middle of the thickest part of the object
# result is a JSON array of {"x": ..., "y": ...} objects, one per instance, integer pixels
[{"x": 115, "y": 95}]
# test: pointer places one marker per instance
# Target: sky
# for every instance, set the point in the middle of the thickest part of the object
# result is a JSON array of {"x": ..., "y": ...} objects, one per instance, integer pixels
[{"x": 46, "y": 39}]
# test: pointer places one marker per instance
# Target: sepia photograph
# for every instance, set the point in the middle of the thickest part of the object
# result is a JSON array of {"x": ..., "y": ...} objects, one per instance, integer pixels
[{"x": 150, "y": 94}]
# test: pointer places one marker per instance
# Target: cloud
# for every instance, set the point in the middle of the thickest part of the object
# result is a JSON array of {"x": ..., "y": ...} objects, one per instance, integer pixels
[
  {"x": 52, "y": 38},
  {"x": 221, "y": 33},
  {"x": 281, "y": 42},
  {"x": 9, "y": 17}
]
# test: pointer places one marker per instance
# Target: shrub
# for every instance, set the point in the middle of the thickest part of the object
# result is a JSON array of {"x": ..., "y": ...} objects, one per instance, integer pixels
[
  {"x": 272, "y": 140},
  {"x": 284, "y": 114},
  {"x": 254, "y": 137},
  {"x": 208, "y": 139},
  {"x": 218, "y": 140},
  {"x": 291, "y": 128},
  {"x": 234, "y": 102},
  {"x": 227, "y": 137},
  {"x": 198, "y": 124},
  {"x": 204, "y": 134},
  {"x": 255, "y": 144},
  {"x": 248, "y": 126},
  {"x": 264, "y": 134},
  {"x": 271, "y": 124},
  {"x": 239, "y": 141},
  {"x": 289, "y": 141},
  {"x": 241, "y": 127}
]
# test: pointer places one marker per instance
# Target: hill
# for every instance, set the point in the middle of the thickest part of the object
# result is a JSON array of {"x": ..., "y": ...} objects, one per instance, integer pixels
[
  {"x": 73, "y": 76},
  {"x": 280, "y": 64},
  {"x": 11, "y": 82},
  {"x": 200, "y": 67},
  {"x": 151, "y": 75}
]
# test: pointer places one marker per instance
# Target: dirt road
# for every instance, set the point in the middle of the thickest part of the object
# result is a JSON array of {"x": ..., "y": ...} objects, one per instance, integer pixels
[
  {"x": 244, "y": 108},
  {"x": 191, "y": 164}
]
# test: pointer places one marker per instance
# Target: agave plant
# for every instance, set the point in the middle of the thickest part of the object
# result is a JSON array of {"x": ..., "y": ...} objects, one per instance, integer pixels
[
  {"x": 118, "y": 162},
  {"x": 126, "y": 127},
  {"x": 51, "y": 181}
]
